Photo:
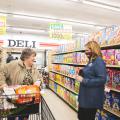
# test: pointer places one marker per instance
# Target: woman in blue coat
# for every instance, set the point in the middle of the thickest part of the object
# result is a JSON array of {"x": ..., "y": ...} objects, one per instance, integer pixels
[{"x": 93, "y": 78}]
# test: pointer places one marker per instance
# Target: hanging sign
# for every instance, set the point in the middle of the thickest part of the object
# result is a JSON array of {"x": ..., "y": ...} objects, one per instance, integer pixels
[
  {"x": 60, "y": 31},
  {"x": 2, "y": 25}
]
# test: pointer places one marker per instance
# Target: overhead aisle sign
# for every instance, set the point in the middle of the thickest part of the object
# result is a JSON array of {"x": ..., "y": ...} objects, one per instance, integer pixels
[
  {"x": 2, "y": 25},
  {"x": 60, "y": 31}
]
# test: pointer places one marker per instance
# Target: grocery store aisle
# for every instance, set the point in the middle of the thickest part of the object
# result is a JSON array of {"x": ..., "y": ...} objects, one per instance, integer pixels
[{"x": 60, "y": 110}]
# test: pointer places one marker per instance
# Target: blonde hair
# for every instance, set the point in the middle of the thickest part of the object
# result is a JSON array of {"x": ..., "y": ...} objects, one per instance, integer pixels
[{"x": 95, "y": 48}]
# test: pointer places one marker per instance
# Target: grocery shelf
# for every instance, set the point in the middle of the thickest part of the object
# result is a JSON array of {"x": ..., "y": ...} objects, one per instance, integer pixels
[
  {"x": 62, "y": 74},
  {"x": 64, "y": 100},
  {"x": 113, "y": 66},
  {"x": 113, "y": 89},
  {"x": 68, "y": 52},
  {"x": 115, "y": 46},
  {"x": 72, "y": 64},
  {"x": 75, "y": 64},
  {"x": 65, "y": 87},
  {"x": 111, "y": 111}
]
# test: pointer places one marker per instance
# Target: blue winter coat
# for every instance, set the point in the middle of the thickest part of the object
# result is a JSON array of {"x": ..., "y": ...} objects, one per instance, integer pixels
[{"x": 91, "y": 93}]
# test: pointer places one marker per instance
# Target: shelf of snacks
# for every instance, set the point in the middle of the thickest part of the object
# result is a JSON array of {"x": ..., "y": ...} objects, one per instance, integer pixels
[
  {"x": 68, "y": 97},
  {"x": 112, "y": 89},
  {"x": 69, "y": 52},
  {"x": 105, "y": 115},
  {"x": 112, "y": 103},
  {"x": 62, "y": 74},
  {"x": 108, "y": 38},
  {"x": 113, "y": 112},
  {"x": 68, "y": 83},
  {"x": 64, "y": 87},
  {"x": 113, "y": 66}
]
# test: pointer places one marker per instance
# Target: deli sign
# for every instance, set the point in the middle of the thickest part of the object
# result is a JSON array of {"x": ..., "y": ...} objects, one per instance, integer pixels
[{"x": 21, "y": 43}]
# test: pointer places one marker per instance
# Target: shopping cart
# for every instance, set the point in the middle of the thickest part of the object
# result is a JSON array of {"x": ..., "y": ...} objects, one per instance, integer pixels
[{"x": 24, "y": 107}]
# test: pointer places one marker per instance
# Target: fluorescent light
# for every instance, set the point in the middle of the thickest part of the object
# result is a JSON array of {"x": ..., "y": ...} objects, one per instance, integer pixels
[
  {"x": 75, "y": 0},
  {"x": 78, "y": 23},
  {"x": 28, "y": 30},
  {"x": 3, "y": 14},
  {"x": 102, "y": 5},
  {"x": 34, "y": 18}
]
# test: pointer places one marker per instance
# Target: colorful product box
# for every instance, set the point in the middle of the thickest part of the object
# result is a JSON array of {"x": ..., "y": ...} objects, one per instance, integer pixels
[
  {"x": 104, "y": 116},
  {"x": 108, "y": 100},
  {"x": 110, "y": 77},
  {"x": 78, "y": 57},
  {"x": 117, "y": 57},
  {"x": 116, "y": 79},
  {"x": 98, "y": 115},
  {"x": 77, "y": 86},
  {"x": 110, "y": 57},
  {"x": 116, "y": 102},
  {"x": 104, "y": 54}
]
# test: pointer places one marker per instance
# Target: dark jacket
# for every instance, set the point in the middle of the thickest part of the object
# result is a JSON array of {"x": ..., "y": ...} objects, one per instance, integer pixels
[{"x": 91, "y": 94}]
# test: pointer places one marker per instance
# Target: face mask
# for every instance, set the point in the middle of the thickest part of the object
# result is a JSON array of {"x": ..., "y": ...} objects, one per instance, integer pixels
[{"x": 88, "y": 54}]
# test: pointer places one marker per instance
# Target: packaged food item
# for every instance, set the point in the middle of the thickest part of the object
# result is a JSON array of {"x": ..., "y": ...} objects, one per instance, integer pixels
[
  {"x": 116, "y": 102},
  {"x": 104, "y": 116},
  {"x": 110, "y": 57},
  {"x": 104, "y": 54},
  {"x": 116, "y": 79},
  {"x": 110, "y": 77},
  {"x": 108, "y": 100},
  {"x": 77, "y": 86},
  {"x": 98, "y": 115},
  {"x": 78, "y": 58},
  {"x": 117, "y": 57},
  {"x": 27, "y": 93}
]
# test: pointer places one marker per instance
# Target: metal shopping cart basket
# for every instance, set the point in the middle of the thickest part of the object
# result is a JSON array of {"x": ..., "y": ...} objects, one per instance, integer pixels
[{"x": 24, "y": 107}]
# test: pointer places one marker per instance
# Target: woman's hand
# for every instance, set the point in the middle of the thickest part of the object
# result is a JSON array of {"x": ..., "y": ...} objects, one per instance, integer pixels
[{"x": 79, "y": 78}]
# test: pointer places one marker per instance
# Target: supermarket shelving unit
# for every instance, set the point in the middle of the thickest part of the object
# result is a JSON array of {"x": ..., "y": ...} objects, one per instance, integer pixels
[{"x": 115, "y": 46}]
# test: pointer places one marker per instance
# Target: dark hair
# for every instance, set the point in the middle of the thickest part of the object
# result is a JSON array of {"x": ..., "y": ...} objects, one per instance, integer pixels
[{"x": 26, "y": 53}]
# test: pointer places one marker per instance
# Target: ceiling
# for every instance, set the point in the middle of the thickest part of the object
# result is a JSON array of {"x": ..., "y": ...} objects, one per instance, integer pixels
[{"x": 83, "y": 17}]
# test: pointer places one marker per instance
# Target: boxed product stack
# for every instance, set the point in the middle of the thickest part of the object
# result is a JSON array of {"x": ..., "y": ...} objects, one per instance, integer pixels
[
  {"x": 67, "y": 82},
  {"x": 102, "y": 115},
  {"x": 80, "y": 43},
  {"x": 112, "y": 101},
  {"x": 66, "y": 69},
  {"x": 114, "y": 79},
  {"x": 107, "y": 36},
  {"x": 66, "y": 47},
  {"x": 111, "y": 56},
  {"x": 81, "y": 58},
  {"x": 69, "y": 97}
]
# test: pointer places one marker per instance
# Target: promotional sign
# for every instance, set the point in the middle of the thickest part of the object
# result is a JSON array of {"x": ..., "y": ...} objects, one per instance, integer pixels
[
  {"x": 60, "y": 31},
  {"x": 2, "y": 25}
]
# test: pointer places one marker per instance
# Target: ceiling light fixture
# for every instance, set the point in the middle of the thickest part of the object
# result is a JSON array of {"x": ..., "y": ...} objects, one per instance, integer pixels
[
  {"x": 102, "y": 5},
  {"x": 67, "y": 21},
  {"x": 2, "y": 14},
  {"x": 28, "y": 30},
  {"x": 34, "y": 18}
]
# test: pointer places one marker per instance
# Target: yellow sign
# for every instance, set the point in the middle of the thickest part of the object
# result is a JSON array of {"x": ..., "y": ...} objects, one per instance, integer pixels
[
  {"x": 2, "y": 25},
  {"x": 60, "y": 31}
]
